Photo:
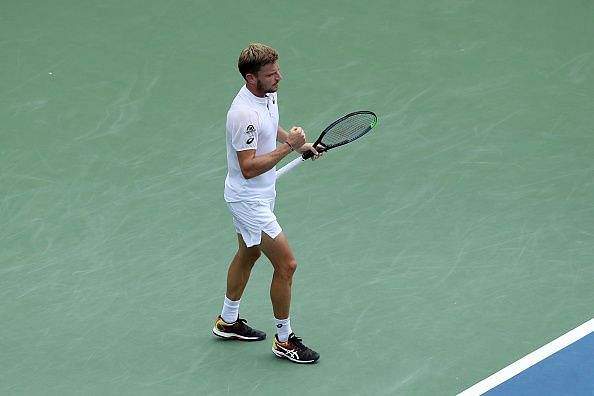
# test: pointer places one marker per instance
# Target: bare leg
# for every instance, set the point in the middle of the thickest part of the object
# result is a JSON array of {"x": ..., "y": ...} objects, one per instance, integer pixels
[
  {"x": 281, "y": 256},
  {"x": 227, "y": 326},
  {"x": 240, "y": 269}
]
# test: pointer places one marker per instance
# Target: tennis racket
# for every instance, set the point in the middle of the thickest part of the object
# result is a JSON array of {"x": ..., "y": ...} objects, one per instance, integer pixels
[{"x": 342, "y": 131}]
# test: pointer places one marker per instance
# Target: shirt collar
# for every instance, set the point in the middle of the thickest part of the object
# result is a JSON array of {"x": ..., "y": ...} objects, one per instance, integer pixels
[{"x": 254, "y": 98}]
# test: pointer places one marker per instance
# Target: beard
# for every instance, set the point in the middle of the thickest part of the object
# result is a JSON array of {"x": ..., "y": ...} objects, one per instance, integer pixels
[{"x": 268, "y": 89}]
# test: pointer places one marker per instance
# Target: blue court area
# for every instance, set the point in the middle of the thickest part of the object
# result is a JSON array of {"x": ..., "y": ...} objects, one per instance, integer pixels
[
  {"x": 568, "y": 372},
  {"x": 562, "y": 367}
]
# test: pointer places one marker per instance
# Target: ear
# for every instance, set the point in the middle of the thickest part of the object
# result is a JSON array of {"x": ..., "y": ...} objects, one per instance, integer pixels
[{"x": 251, "y": 78}]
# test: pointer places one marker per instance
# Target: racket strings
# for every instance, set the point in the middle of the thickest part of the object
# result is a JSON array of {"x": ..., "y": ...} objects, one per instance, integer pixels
[{"x": 348, "y": 129}]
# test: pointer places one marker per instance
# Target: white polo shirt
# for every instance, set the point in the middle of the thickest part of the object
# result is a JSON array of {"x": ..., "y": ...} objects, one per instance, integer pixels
[{"x": 252, "y": 124}]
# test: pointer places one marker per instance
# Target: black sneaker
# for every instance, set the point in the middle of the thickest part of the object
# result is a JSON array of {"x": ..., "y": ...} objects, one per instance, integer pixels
[
  {"x": 237, "y": 330},
  {"x": 294, "y": 350}
]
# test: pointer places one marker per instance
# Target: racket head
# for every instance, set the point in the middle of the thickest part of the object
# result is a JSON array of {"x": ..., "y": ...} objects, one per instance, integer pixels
[{"x": 345, "y": 130}]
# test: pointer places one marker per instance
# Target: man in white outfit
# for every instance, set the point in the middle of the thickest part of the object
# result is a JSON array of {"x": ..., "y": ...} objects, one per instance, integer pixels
[{"x": 252, "y": 154}]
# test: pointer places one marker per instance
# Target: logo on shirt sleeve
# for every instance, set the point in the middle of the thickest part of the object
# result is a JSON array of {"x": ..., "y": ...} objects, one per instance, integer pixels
[{"x": 251, "y": 133}]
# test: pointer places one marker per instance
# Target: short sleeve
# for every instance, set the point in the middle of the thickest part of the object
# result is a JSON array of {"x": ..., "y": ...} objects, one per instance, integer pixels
[{"x": 243, "y": 127}]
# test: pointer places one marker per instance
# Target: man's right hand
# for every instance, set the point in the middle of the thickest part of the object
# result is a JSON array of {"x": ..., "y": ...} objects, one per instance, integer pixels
[{"x": 296, "y": 137}]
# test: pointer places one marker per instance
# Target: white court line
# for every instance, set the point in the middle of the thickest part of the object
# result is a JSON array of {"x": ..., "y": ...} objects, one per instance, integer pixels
[{"x": 530, "y": 360}]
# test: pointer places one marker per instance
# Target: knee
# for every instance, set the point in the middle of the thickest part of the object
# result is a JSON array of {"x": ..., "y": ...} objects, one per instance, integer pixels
[
  {"x": 292, "y": 267},
  {"x": 288, "y": 269}
]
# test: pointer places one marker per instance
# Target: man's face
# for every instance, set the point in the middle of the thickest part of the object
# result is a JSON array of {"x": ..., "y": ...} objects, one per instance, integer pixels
[{"x": 268, "y": 77}]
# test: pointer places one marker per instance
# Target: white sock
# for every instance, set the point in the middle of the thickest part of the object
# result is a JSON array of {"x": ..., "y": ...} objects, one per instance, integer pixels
[
  {"x": 283, "y": 329},
  {"x": 230, "y": 311}
]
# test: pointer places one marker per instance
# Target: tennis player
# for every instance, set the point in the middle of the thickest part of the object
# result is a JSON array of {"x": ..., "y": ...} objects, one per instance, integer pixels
[{"x": 252, "y": 154}]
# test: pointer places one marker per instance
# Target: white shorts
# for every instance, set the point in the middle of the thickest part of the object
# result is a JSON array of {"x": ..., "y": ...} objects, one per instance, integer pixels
[{"x": 251, "y": 219}]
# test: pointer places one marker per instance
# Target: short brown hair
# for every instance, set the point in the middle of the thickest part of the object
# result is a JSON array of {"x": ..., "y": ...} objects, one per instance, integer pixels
[{"x": 254, "y": 57}]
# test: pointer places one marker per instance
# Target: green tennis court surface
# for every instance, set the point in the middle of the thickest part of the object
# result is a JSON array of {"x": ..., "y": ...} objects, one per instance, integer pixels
[{"x": 455, "y": 238}]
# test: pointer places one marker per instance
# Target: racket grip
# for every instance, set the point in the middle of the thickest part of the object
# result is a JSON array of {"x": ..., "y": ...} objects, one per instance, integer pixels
[
  {"x": 297, "y": 161},
  {"x": 307, "y": 155}
]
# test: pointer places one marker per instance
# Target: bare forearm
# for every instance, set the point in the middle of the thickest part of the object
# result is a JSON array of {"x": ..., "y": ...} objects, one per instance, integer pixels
[
  {"x": 281, "y": 135},
  {"x": 252, "y": 165}
]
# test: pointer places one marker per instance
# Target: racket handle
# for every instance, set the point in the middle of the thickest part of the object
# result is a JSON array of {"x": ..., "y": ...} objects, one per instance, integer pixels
[
  {"x": 297, "y": 161},
  {"x": 307, "y": 155}
]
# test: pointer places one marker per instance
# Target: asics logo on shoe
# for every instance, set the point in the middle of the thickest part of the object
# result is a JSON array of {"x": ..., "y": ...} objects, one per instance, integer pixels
[
  {"x": 288, "y": 352},
  {"x": 292, "y": 354}
]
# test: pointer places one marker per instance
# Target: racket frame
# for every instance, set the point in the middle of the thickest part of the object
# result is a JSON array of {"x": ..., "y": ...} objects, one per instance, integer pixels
[{"x": 308, "y": 154}]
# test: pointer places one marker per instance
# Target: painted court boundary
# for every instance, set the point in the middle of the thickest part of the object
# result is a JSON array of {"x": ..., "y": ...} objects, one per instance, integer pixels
[{"x": 530, "y": 360}]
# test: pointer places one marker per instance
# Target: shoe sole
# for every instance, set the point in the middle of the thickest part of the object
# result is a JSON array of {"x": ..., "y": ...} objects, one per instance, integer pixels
[
  {"x": 233, "y": 336},
  {"x": 283, "y": 356}
]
